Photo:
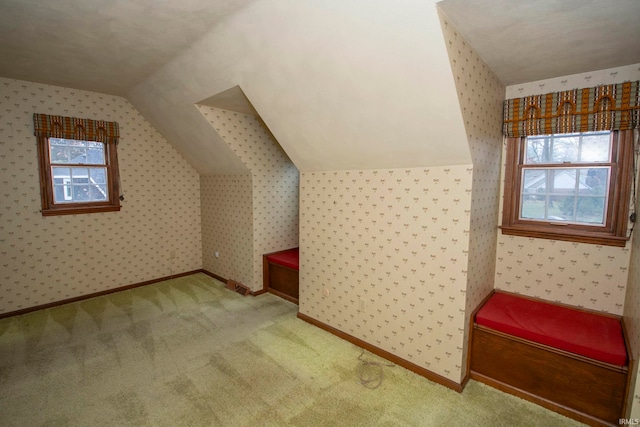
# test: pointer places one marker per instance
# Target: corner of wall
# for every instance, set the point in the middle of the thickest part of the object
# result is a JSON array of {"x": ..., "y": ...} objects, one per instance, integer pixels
[{"x": 480, "y": 94}]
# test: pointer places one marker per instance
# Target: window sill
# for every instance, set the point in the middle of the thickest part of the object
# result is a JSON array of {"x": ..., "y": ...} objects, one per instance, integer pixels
[
  {"x": 551, "y": 232},
  {"x": 75, "y": 210}
]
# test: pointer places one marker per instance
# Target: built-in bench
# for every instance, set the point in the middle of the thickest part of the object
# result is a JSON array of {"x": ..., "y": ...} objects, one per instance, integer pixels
[
  {"x": 572, "y": 361},
  {"x": 281, "y": 273}
]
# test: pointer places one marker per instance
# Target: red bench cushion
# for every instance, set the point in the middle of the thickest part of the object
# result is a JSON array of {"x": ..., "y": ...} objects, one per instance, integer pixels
[
  {"x": 289, "y": 258},
  {"x": 590, "y": 335}
]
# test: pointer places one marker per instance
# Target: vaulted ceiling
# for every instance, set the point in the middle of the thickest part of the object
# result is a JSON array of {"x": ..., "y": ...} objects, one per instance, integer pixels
[
  {"x": 106, "y": 46},
  {"x": 342, "y": 84}
]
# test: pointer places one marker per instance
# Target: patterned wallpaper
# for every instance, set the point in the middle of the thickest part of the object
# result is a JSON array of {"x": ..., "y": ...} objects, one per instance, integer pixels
[
  {"x": 156, "y": 234},
  {"x": 585, "y": 275},
  {"x": 632, "y": 316},
  {"x": 273, "y": 197},
  {"x": 590, "y": 79},
  {"x": 632, "y": 313},
  {"x": 362, "y": 274},
  {"x": 481, "y": 95},
  {"x": 384, "y": 258},
  {"x": 227, "y": 226}
]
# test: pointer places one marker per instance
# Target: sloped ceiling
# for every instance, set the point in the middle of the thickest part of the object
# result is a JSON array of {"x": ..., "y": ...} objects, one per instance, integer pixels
[
  {"x": 346, "y": 84},
  {"x": 525, "y": 41},
  {"x": 99, "y": 45},
  {"x": 340, "y": 86}
]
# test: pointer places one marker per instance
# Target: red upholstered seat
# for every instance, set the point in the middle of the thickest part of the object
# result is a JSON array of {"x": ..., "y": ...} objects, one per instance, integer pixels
[
  {"x": 289, "y": 258},
  {"x": 590, "y": 335}
]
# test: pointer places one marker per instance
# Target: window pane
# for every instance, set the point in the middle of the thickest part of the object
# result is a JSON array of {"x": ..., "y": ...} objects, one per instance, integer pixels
[
  {"x": 569, "y": 148},
  {"x": 95, "y": 156},
  {"x": 76, "y": 151},
  {"x": 59, "y": 193},
  {"x": 565, "y": 148},
  {"x": 61, "y": 173},
  {"x": 77, "y": 155},
  {"x": 537, "y": 149},
  {"x": 594, "y": 181},
  {"x": 98, "y": 192},
  {"x": 81, "y": 193},
  {"x": 534, "y": 181},
  {"x": 59, "y": 154},
  {"x": 62, "y": 191},
  {"x": 98, "y": 175},
  {"x": 596, "y": 147},
  {"x": 80, "y": 175},
  {"x": 562, "y": 181},
  {"x": 533, "y": 207},
  {"x": 590, "y": 210},
  {"x": 561, "y": 208},
  {"x": 572, "y": 195},
  {"x": 77, "y": 184}
]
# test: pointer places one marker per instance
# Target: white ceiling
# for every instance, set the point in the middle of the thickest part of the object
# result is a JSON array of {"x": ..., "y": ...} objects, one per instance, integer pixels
[
  {"x": 529, "y": 40},
  {"x": 111, "y": 46},
  {"x": 105, "y": 46}
]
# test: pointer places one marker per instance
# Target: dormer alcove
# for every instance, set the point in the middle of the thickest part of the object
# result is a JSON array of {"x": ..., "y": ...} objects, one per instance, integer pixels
[{"x": 246, "y": 215}]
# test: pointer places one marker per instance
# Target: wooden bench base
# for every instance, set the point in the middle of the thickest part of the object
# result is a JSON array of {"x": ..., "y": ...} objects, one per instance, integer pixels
[
  {"x": 280, "y": 280},
  {"x": 580, "y": 388}
]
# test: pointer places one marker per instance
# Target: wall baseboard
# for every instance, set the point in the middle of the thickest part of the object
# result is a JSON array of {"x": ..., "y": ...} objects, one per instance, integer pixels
[
  {"x": 99, "y": 293},
  {"x": 118, "y": 289},
  {"x": 223, "y": 280},
  {"x": 385, "y": 354},
  {"x": 215, "y": 276}
]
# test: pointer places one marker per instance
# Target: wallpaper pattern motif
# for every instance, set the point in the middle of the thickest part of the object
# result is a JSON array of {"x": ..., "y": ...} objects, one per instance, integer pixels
[
  {"x": 274, "y": 191},
  {"x": 156, "y": 234},
  {"x": 384, "y": 256},
  {"x": 481, "y": 95}
]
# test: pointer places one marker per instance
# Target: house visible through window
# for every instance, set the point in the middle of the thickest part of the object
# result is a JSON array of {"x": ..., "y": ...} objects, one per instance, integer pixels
[{"x": 78, "y": 165}]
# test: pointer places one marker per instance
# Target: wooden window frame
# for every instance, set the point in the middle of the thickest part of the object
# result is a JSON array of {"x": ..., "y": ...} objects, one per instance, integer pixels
[
  {"x": 51, "y": 208},
  {"x": 614, "y": 231}
]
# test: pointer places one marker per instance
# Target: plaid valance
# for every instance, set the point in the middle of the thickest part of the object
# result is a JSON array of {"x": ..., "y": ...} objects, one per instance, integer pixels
[
  {"x": 73, "y": 128},
  {"x": 606, "y": 107}
]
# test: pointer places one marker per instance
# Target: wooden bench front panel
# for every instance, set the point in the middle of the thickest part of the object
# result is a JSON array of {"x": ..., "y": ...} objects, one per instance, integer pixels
[
  {"x": 571, "y": 385},
  {"x": 284, "y": 281}
]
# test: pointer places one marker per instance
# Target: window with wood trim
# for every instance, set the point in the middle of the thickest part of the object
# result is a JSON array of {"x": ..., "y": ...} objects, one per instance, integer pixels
[
  {"x": 78, "y": 165},
  {"x": 574, "y": 187},
  {"x": 569, "y": 163}
]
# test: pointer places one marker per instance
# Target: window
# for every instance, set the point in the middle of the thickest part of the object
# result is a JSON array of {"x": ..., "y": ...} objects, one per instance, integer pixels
[
  {"x": 572, "y": 187},
  {"x": 78, "y": 172}
]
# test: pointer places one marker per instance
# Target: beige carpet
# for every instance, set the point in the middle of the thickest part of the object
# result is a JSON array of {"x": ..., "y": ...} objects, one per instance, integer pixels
[{"x": 188, "y": 352}]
